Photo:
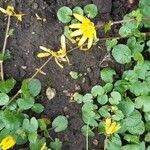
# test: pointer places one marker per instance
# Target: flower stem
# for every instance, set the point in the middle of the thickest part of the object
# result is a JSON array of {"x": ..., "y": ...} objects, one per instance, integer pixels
[
  {"x": 87, "y": 135},
  {"x": 4, "y": 47},
  {"x": 33, "y": 76},
  {"x": 105, "y": 143}
]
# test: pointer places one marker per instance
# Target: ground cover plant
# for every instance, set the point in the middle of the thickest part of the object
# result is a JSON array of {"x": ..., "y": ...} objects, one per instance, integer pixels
[{"x": 117, "y": 108}]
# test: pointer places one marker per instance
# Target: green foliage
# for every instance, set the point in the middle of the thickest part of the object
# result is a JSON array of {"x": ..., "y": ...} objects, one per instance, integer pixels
[
  {"x": 74, "y": 75},
  {"x": 64, "y": 14},
  {"x": 56, "y": 145},
  {"x": 91, "y": 10},
  {"x": 110, "y": 44},
  {"x": 107, "y": 26},
  {"x": 107, "y": 75},
  {"x": 144, "y": 8},
  {"x": 16, "y": 121},
  {"x": 78, "y": 10},
  {"x": 126, "y": 100},
  {"x": 122, "y": 54},
  {"x": 60, "y": 123}
]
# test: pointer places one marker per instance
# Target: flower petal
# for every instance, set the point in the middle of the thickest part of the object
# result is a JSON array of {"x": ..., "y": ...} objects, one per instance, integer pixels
[
  {"x": 63, "y": 42},
  {"x": 117, "y": 127},
  {"x": 90, "y": 42},
  {"x": 40, "y": 55},
  {"x": 79, "y": 17},
  {"x": 3, "y": 10},
  {"x": 76, "y": 33},
  {"x": 75, "y": 26},
  {"x": 45, "y": 49},
  {"x": 82, "y": 41},
  {"x": 57, "y": 62}
]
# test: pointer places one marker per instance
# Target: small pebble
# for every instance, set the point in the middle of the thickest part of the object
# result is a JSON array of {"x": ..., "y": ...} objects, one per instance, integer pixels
[
  {"x": 35, "y": 6},
  {"x": 95, "y": 142},
  {"x": 50, "y": 93}
]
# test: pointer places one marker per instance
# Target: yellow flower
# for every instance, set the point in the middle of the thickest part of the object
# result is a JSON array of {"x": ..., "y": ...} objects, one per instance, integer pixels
[
  {"x": 111, "y": 127},
  {"x": 86, "y": 28},
  {"x": 11, "y": 12},
  {"x": 7, "y": 143},
  {"x": 59, "y": 56}
]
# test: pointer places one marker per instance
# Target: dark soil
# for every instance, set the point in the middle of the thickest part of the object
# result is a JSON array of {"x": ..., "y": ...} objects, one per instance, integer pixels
[{"x": 24, "y": 46}]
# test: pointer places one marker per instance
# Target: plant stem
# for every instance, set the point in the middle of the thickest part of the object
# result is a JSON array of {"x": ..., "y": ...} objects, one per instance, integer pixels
[
  {"x": 105, "y": 143},
  {"x": 4, "y": 47},
  {"x": 33, "y": 76},
  {"x": 87, "y": 135}
]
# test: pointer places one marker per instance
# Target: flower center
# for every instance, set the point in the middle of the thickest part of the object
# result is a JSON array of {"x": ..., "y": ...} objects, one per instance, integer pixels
[{"x": 87, "y": 28}]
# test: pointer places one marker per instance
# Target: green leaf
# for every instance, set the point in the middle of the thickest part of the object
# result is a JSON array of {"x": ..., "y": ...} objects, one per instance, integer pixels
[
  {"x": 131, "y": 138},
  {"x": 115, "y": 98},
  {"x": 107, "y": 26},
  {"x": 30, "y": 126},
  {"x": 74, "y": 75},
  {"x": 37, "y": 107},
  {"x": 25, "y": 103},
  {"x": 138, "y": 129},
  {"x": 147, "y": 116},
  {"x": 32, "y": 137},
  {"x": 144, "y": 7},
  {"x": 129, "y": 27},
  {"x": 38, "y": 144},
  {"x": 134, "y": 119},
  {"x": 78, "y": 97},
  {"x": 126, "y": 106},
  {"x": 4, "y": 98},
  {"x": 101, "y": 127},
  {"x": 108, "y": 87},
  {"x": 111, "y": 43},
  {"x": 116, "y": 139},
  {"x": 113, "y": 146},
  {"x": 97, "y": 90},
  {"x": 34, "y": 87},
  {"x": 11, "y": 119},
  {"x": 138, "y": 57},
  {"x": 103, "y": 111},
  {"x": 103, "y": 99},
  {"x": 87, "y": 98},
  {"x": 11, "y": 32},
  {"x": 78, "y": 10},
  {"x": 56, "y": 145},
  {"x": 134, "y": 147},
  {"x": 91, "y": 10},
  {"x": 147, "y": 137},
  {"x": 122, "y": 54},
  {"x": 135, "y": 45},
  {"x": 86, "y": 131},
  {"x": 143, "y": 102},
  {"x": 118, "y": 115},
  {"x": 60, "y": 123},
  {"x": 139, "y": 88},
  {"x": 107, "y": 74},
  {"x": 64, "y": 14},
  {"x": 7, "y": 86}
]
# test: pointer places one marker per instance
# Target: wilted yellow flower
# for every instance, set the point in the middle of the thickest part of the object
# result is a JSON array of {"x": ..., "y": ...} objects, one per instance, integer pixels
[
  {"x": 7, "y": 143},
  {"x": 59, "y": 56},
  {"x": 111, "y": 127},
  {"x": 86, "y": 28},
  {"x": 11, "y": 12}
]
